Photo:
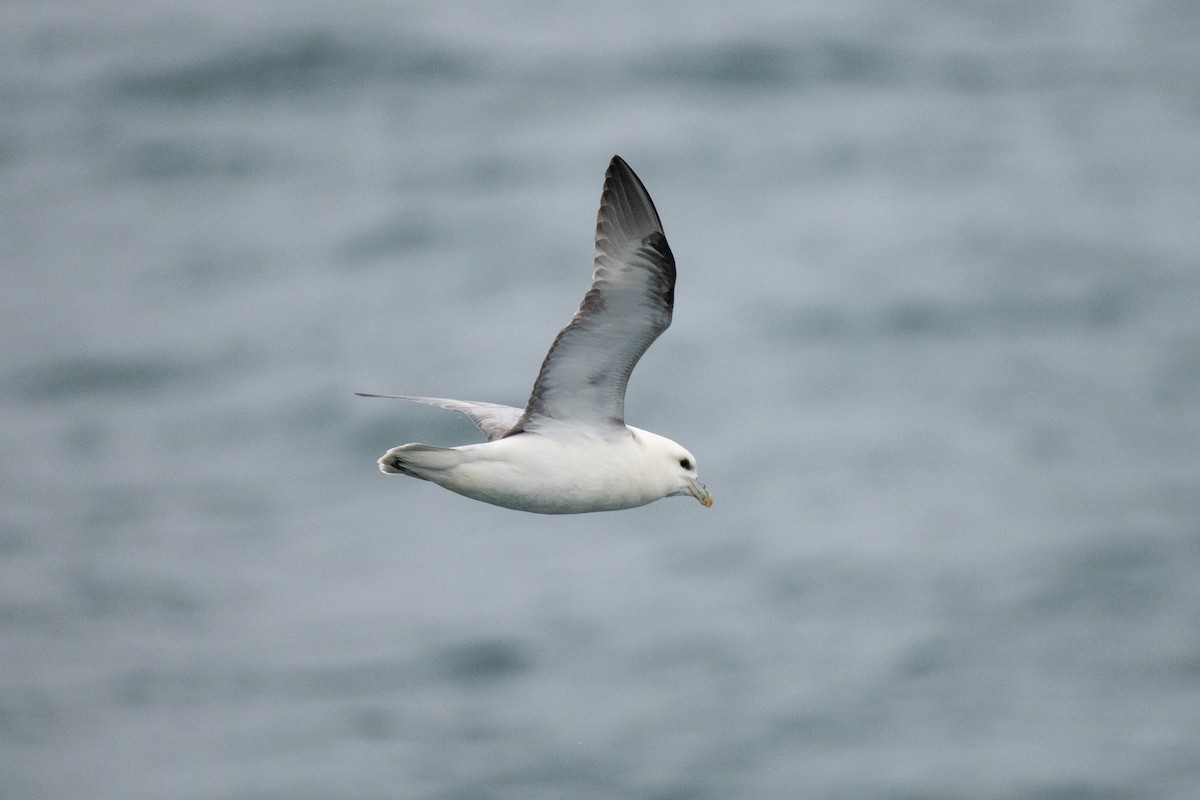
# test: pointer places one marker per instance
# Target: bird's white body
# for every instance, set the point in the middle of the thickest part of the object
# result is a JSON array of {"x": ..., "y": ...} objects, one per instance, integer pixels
[{"x": 563, "y": 471}]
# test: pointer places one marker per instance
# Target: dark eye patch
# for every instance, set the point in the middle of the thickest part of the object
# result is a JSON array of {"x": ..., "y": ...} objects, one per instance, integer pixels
[{"x": 685, "y": 463}]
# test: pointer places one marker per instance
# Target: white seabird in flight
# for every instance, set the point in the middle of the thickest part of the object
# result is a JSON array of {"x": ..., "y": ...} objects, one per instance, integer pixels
[{"x": 569, "y": 450}]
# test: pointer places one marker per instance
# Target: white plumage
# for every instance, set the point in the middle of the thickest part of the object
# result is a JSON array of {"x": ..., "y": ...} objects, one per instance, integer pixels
[{"x": 569, "y": 450}]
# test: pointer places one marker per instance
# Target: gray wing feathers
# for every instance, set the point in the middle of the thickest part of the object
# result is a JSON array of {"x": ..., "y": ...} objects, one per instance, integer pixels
[
  {"x": 584, "y": 376},
  {"x": 492, "y": 419}
]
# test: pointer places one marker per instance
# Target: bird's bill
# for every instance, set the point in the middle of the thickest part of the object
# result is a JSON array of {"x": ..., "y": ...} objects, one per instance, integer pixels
[{"x": 696, "y": 489}]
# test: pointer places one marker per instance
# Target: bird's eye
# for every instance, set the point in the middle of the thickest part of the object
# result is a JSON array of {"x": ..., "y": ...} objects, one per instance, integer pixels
[{"x": 685, "y": 463}]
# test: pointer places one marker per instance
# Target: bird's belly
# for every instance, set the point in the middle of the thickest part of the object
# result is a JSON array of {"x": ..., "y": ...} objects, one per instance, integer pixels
[{"x": 540, "y": 482}]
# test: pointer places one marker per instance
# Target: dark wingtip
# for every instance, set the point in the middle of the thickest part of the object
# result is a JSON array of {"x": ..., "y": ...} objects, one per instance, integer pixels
[
  {"x": 624, "y": 191},
  {"x": 619, "y": 169}
]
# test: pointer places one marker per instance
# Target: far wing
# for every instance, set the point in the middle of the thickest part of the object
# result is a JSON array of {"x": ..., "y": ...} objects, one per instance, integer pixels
[{"x": 492, "y": 419}]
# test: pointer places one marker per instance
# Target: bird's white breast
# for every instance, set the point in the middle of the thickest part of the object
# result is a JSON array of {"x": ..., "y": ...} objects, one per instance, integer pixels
[{"x": 561, "y": 474}]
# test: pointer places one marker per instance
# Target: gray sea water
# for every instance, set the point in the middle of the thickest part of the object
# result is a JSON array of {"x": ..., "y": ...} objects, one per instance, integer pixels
[{"x": 936, "y": 348}]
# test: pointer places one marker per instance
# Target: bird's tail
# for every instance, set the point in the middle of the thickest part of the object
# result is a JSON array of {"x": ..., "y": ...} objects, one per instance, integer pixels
[{"x": 418, "y": 460}]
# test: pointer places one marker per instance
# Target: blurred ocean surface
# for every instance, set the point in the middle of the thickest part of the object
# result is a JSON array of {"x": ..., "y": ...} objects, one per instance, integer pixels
[{"x": 937, "y": 348}]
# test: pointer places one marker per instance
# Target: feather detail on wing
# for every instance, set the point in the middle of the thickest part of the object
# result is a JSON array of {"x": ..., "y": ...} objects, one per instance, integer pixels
[{"x": 584, "y": 375}]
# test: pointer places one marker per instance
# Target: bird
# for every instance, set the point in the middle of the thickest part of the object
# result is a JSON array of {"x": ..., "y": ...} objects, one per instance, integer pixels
[{"x": 569, "y": 450}]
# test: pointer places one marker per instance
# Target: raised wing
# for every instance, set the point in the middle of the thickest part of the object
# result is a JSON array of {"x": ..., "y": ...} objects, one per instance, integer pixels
[
  {"x": 492, "y": 419},
  {"x": 584, "y": 376}
]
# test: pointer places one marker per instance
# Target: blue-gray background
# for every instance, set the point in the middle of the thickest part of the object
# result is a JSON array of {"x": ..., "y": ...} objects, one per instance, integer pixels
[{"x": 937, "y": 349}]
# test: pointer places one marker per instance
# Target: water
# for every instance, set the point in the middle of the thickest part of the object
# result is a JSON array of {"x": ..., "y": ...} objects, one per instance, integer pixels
[{"x": 936, "y": 348}]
